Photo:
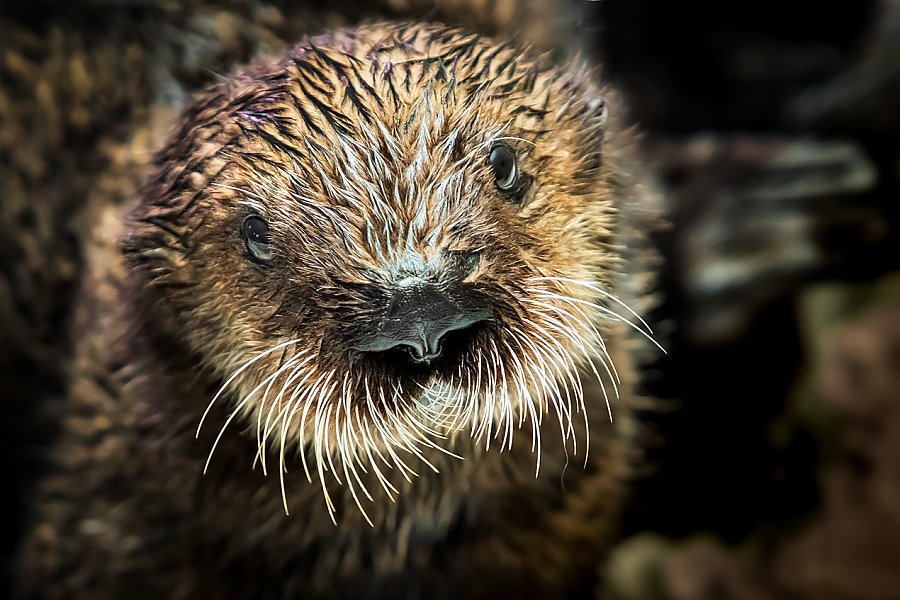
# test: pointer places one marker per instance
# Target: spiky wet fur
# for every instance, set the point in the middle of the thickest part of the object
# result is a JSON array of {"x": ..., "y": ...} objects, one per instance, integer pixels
[{"x": 365, "y": 151}]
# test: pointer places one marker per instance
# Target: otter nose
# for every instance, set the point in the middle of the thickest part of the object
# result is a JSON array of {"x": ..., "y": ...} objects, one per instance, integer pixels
[{"x": 418, "y": 320}]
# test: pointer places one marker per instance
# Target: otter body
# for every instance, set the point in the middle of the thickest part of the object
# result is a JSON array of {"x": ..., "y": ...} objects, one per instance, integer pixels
[{"x": 366, "y": 317}]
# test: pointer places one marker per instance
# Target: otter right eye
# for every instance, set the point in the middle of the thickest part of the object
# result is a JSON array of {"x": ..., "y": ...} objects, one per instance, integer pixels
[
  {"x": 256, "y": 236},
  {"x": 503, "y": 164}
]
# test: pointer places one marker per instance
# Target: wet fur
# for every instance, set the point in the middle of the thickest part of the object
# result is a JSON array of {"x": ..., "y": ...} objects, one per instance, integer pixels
[{"x": 129, "y": 513}]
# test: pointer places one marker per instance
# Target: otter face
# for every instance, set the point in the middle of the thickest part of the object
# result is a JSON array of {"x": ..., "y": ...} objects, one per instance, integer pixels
[{"x": 390, "y": 235}]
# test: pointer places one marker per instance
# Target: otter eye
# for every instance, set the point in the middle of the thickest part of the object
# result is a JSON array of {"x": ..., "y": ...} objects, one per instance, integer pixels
[
  {"x": 503, "y": 164},
  {"x": 256, "y": 236}
]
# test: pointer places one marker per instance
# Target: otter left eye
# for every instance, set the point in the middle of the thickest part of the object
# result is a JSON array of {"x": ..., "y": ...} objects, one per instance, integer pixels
[
  {"x": 256, "y": 236},
  {"x": 503, "y": 164}
]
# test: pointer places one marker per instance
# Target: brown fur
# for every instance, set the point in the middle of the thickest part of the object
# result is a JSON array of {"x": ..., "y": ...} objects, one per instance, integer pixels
[{"x": 127, "y": 511}]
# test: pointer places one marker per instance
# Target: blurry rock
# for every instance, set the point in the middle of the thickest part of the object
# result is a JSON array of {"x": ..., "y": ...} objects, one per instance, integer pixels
[
  {"x": 849, "y": 549},
  {"x": 756, "y": 216},
  {"x": 636, "y": 569},
  {"x": 852, "y": 550},
  {"x": 705, "y": 570}
]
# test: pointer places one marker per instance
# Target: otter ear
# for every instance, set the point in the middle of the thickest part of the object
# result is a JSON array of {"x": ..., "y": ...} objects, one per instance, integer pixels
[
  {"x": 598, "y": 111},
  {"x": 596, "y": 117},
  {"x": 585, "y": 109}
]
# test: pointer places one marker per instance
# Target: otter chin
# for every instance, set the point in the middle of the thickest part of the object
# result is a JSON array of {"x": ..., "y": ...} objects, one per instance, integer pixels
[{"x": 395, "y": 268}]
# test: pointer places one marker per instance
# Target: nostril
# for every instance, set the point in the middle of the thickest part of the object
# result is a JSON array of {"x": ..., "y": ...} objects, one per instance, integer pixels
[
  {"x": 417, "y": 343},
  {"x": 416, "y": 352},
  {"x": 419, "y": 353}
]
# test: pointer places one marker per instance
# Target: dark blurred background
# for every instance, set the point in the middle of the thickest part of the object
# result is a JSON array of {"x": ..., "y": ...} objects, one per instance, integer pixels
[{"x": 773, "y": 128}]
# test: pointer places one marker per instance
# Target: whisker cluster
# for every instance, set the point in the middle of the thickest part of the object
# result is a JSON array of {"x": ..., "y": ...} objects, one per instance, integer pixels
[{"x": 352, "y": 428}]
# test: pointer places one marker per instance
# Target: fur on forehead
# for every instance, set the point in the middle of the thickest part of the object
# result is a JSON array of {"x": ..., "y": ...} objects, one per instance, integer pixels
[{"x": 404, "y": 85}]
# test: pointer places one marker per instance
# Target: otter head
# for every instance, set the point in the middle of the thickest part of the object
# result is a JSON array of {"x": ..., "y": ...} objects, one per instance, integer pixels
[{"x": 391, "y": 238}]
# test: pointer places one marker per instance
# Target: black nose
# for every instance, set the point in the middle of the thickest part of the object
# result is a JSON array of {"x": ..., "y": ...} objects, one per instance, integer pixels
[{"x": 420, "y": 317}]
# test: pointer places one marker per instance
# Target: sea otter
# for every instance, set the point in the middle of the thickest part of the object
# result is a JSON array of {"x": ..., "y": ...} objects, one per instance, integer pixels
[{"x": 370, "y": 333}]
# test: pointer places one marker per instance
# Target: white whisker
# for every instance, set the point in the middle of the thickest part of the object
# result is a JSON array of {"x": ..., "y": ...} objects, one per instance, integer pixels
[{"x": 236, "y": 374}]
